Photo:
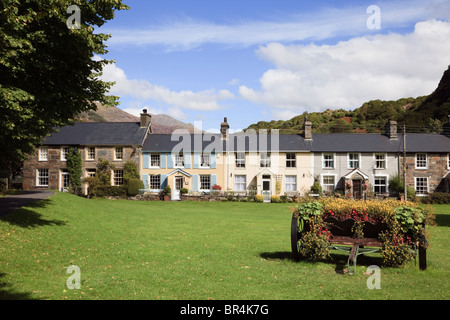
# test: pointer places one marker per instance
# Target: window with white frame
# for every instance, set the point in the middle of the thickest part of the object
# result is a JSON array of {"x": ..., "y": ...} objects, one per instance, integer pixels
[
  {"x": 421, "y": 161},
  {"x": 240, "y": 183},
  {"x": 118, "y": 153},
  {"x": 380, "y": 160},
  {"x": 380, "y": 184},
  {"x": 64, "y": 153},
  {"x": 264, "y": 160},
  {"x": 155, "y": 181},
  {"x": 328, "y": 183},
  {"x": 43, "y": 153},
  {"x": 353, "y": 160},
  {"x": 42, "y": 178},
  {"x": 205, "y": 182},
  {"x": 421, "y": 185},
  {"x": 328, "y": 161},
  {"x": 291, "y": 183},
  {"x": 118, "y": 177},
  {"x": 179, "y": 160},
  {"x": 90, "y": 153},
  {"x": 155, "y": 160},
  {"x": 205, "y": 160},
  {"x": 290, "y": 160},
  {"x": 240, "y": 160}
]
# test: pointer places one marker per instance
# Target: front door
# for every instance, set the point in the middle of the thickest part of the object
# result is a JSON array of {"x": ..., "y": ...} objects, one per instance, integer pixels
[
  {"x": 357, "y": 189},
  {"x": 266, "y": 188},
  {"x": 64, "y": 181},
  {"x": 178, "y": 184}
]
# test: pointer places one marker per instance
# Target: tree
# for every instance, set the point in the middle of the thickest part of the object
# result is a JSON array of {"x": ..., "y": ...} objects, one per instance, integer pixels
[
  {"x": 48, "y": 72},
  {"x": 74, "y": 167}
]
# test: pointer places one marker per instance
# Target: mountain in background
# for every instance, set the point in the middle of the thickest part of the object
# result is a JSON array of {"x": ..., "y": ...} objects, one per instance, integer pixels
[
  {"x": 161, "y": 123},
  {"x": 421, "y": 114}
]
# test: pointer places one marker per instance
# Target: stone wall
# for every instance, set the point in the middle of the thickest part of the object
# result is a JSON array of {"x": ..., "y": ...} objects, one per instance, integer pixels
[
  {"x": 55, "y": 165},
  {"x": 436, "y": 171}
]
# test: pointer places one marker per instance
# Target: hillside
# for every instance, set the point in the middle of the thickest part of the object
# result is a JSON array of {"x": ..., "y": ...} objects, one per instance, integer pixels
[
  {"x": 421, "y": 114},
  {"x": 161, "y": 123}
]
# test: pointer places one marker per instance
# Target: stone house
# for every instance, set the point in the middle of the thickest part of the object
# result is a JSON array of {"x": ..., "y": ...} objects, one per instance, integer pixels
[
  {"x": 117, "y": 142},
  {"x": 249, "y": 162},
  {"x": 182, "y": 160},
  {"x": 241, "y": 163},
  {"x": 428, "y": 163},
  {"x": 357, "y": 164},
  {"x": 267, "y": 164}
]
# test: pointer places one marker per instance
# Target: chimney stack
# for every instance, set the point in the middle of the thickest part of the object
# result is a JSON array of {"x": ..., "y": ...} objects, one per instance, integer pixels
[
  {"x": 446, "y": 127},
  {"x": 224, "y": 126},
  {"x": 146, "y": 119},
  {"x": 307, "y": 129},
  {"x": 391, "y": 129}
]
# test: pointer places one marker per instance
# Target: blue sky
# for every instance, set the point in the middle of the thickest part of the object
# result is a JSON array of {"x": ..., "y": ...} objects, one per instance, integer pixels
[{"x": 199, "y": 60}]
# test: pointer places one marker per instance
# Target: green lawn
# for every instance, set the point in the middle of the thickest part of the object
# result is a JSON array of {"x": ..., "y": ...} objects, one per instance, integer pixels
[{"x": 189, "y": 250}]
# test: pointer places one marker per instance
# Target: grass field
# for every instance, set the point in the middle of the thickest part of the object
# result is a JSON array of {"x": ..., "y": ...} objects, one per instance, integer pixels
[{"x": 189, "y": 250}]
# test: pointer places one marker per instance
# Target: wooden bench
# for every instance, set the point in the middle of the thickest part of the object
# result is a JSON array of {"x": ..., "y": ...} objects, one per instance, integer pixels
[{"x": 342, "y": 238}]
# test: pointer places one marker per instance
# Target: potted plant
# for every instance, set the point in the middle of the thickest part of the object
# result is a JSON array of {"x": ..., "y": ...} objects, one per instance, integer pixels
[{"x": 166, "y": 192}]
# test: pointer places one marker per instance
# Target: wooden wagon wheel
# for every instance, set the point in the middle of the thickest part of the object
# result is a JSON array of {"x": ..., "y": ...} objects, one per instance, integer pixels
[{"x": 297, "y": 226}]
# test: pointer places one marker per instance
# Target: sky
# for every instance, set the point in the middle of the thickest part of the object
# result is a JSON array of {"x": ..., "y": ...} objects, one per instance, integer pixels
[{"x": 201, "y": 60}]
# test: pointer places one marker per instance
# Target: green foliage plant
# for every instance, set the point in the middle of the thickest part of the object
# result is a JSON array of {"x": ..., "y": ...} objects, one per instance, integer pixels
[
  {"x": 74, "y": 167},
  {"x": 130, "y": 171},
  {"x": 48, "y": 73},
  {"x": 259, "y": 198},
  {"x": 275, "y": 199},
  {"x": 306, "y": 210},
  {"x": 133, "y": 186}
]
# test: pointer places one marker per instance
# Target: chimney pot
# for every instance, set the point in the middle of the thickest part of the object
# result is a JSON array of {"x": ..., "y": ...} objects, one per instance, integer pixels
[
  {"x": 224, "y": 129},
  {"x": 146, "y": 119},
  {"x": 391, "y": 129},
  {"x": 307, "y": 129}
]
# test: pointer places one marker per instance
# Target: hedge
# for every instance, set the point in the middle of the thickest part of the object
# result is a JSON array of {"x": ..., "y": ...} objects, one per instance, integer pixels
[{"x": 437, "y": 197}]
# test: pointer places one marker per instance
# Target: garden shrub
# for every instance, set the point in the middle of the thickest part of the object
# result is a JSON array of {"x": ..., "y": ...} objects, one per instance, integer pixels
[
  {"x": 314, "y": 244},
  {"x": 275, "y": 199},
  {"x": 259, "y": 198},
  {"x": 437, "y": 197},
  {"x": 133, "y": 186},
  {"x": 316, "y": 188},
  {"x": 404, "y": 221}
]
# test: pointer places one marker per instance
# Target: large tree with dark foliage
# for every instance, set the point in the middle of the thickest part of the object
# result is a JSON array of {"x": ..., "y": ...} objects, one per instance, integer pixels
[{"x": 48, "y": 73}]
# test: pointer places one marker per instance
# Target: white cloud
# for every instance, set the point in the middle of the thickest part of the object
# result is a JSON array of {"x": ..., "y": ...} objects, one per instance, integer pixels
[
  {"x": 390, "y": 66},
  {"x": 326, "y": 23},
  {"x": 207, "y": 100}
]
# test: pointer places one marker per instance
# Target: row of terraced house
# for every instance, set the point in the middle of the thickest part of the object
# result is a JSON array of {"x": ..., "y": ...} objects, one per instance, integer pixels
[{"x": 260, "y": 163}]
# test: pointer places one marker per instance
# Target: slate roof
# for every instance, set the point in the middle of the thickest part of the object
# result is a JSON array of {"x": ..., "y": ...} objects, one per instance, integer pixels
[
  {"x": 343, "y": 142},
  {"x": 339, "y": 142},
  {"x": 98, "y": 134},
  {"x": 210, "y": 142},
  {"x": 415, "y": 142},
  {"x": 130, "y": 133}
]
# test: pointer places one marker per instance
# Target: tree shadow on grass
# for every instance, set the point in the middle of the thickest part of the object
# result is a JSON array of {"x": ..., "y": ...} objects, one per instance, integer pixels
[
  {"x": 26, "y": 217},
  {"x": 281, "y": 255},
  {"x": 337, "y": 259},
  {"x": 6, "y": 293},
  {"x": 443, "y": 220}
]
